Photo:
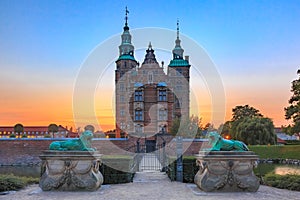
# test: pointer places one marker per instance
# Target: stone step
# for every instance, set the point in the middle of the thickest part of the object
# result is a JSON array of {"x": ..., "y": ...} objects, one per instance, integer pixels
[{"x": 150, "y": 177}]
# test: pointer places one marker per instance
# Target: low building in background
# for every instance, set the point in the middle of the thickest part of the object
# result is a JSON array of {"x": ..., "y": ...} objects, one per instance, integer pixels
[{"x": 37, "y": 132}]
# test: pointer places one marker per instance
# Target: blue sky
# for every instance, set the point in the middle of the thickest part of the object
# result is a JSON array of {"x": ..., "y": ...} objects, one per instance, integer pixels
[{"x": 254, "y": 44}]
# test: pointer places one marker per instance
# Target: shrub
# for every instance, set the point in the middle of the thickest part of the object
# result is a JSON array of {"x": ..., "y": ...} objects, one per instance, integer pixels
[
  {"x": 189, "y": 169},
  {"x": 24, "y": 136},
  {"x": 289, "y": 181},
  {"x": 11, "y": 182},
  {"x": 118, "y": 169},
  {"x": 12, "y": 136}
]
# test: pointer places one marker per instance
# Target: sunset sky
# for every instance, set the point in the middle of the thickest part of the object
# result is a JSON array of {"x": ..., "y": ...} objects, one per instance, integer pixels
[{"x": 255, "y": 46}]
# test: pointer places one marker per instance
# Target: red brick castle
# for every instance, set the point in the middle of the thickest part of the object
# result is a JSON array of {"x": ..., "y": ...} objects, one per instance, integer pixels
[{"x": 148, "y": 99}]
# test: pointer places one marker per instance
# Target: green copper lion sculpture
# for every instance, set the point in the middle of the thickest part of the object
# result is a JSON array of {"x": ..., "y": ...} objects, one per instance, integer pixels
[
  {"x": 220, "y": 144},
  {"x": 81, "y": 144}
]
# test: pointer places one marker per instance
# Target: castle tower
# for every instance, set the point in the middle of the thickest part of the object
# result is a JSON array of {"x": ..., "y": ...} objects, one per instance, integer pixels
[
  {"x": 125, "y": 64},
  {"x": 179, "y": 78},
  {"x": 147, "y": 99}
]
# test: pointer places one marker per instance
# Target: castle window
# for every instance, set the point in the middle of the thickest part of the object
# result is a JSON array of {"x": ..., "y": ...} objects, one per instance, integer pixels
[
  {"x": 162, "y": 95},
  {"x": 122, "y": 125},
  {"x": 150, "y": 77},
  {"x": 178, "y": 72},
  {"x": 163, "y": 128},
  {"x": 122, "y": 88},
  {"x": 122, "y": 113},
  {"x": 138, "y": 128},
  {"x": 138, "y": 95},
  {"x": 177, "y": 103},
  {"x": 178, "y": 85},
  {"x": 162, "y": 114},
  {"x": 138, "y": 115},
  {"x": 122, "y": 98}
]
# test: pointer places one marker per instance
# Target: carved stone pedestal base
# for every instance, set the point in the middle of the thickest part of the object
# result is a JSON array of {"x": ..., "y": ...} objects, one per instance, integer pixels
[
  {"x": 226, "y": 171},
  {"x": 70, "y": 171}
]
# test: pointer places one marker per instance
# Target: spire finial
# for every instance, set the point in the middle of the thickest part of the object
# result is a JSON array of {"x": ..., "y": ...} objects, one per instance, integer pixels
[
  {"x": 150, "y": 45},
  {"x": 126, "y": 16},
  {"x": 177, "y": 28}
]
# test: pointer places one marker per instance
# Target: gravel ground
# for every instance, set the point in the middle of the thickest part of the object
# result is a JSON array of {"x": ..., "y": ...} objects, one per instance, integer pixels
[{"x": 151, "y": 187}]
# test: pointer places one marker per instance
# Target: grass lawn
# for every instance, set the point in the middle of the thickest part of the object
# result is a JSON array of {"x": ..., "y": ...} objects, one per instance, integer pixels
[{"x": 284, "y": 152}]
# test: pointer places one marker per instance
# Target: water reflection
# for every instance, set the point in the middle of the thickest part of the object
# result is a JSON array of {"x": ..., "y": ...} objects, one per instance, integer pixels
[
  {"x": 29, "y": 171},
  {"x": 283, "y": 170},
  {"x": 265, "y": 168}
]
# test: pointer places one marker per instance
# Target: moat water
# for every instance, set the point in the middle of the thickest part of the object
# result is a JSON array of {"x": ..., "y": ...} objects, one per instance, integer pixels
[{"x": 29, "y": 171}]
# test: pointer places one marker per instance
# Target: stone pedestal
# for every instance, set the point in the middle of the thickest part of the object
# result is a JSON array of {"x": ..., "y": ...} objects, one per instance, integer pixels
[
  {"x": 226, "y": 171},
  {"x": 70, "y": 171}
]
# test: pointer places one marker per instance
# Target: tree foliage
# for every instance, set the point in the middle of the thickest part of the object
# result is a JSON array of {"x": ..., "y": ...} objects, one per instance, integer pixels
[
  {"x": 256, "y": 130},
  {"x": 53, "y": 128},
  {"x": 239, "y": 112},
  {"x": 189, "y": 127},
  {"x": 292, "y": 112},
  {"x": 225, "y": 128},
  {"x": 249, "y": 126},
  {"x": 19, "y": 128}
]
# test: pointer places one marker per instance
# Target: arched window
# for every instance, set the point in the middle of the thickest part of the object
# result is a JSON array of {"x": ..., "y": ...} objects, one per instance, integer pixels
[{"x": 178, "y": 102}]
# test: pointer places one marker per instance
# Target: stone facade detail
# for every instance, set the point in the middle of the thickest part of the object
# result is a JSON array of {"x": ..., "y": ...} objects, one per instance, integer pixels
[
  {"x": 70, "y": 171},
  {"x": 226, "y": 171}
]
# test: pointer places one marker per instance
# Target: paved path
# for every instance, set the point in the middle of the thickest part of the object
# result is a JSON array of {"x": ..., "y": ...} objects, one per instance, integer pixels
[{"x": 150, "y": 186}]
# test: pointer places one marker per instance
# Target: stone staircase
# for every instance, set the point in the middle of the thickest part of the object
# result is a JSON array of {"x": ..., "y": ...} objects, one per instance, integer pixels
[{"x": 150, "y": 177}]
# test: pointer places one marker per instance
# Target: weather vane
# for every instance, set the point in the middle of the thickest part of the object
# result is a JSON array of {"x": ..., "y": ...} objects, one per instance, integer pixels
[
  {"x": 126, "y": 15},
  {"x": 177, "y": 28}
]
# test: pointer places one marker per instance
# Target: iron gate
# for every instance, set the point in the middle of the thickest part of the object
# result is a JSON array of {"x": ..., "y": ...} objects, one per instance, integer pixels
[{"x": 152, "y": 155}]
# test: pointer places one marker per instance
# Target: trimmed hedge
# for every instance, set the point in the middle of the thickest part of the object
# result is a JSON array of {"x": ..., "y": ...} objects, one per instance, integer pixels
[
  {"x": 189, "y": 169},
  {"x": 292, "y": 142},
  {"x": 289, "y": 181},
  {"x": 12, "y": 182},
  {"x": 118, "y": 169}
]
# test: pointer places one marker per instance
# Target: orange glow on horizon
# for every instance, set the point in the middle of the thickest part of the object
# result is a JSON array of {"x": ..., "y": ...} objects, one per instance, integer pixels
[{"x": 41, "y": 111}]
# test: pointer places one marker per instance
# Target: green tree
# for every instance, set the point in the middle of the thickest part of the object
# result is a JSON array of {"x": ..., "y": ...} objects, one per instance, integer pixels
[
  {"x": 249, "y": 126},
  {"x": 189, "y": 127},
  {"x": 52, "y": 128},
  {"x": 292, "y": 112},
  {"x": 208, "y": 127},
  {"x": 18, "y": 128},
  {"x": 239, "y": 112},
  {"x": 256, "y": 130},
  {"x": 225, "y": 128}
]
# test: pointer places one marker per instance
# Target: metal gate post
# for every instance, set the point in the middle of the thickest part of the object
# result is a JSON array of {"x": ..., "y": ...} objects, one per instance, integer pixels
[
  {"x": 179, "y": 150},
  {"x": 164, "y": 157},
  {"x": 138, "y": 146}
]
